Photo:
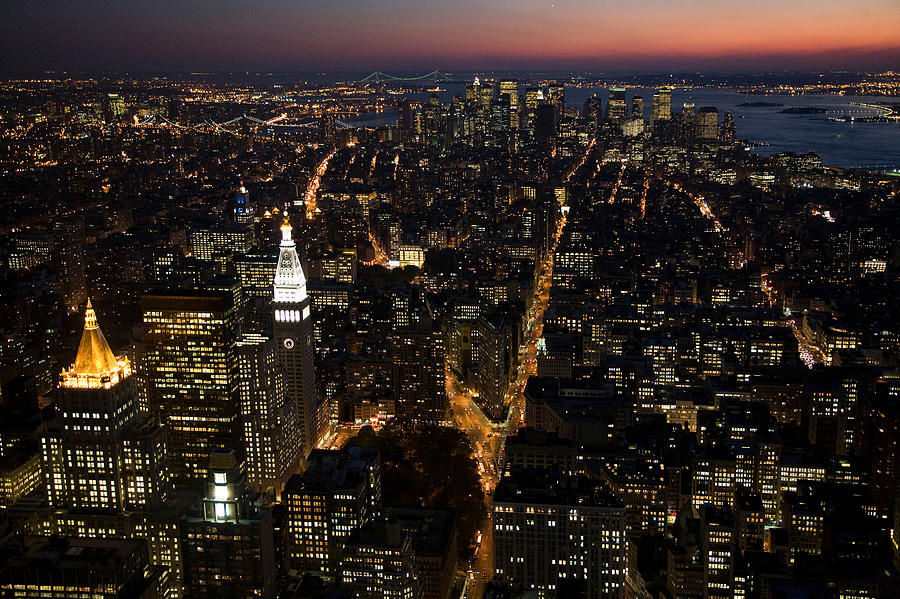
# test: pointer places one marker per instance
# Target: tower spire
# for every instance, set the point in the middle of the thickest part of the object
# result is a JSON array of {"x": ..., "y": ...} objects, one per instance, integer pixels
[
  {"x": 90, "y": 317},
  {"x": 286, "y": 230},
  {"x": 290, "y": 282},
  {"x": 94, "y": 357}
]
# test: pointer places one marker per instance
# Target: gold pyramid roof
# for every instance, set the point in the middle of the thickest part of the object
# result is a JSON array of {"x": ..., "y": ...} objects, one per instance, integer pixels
[{"x": 94, "y": 356}]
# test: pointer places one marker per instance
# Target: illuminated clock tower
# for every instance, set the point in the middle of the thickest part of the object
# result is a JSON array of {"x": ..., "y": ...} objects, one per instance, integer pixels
[{"x": 293, "y": 335}]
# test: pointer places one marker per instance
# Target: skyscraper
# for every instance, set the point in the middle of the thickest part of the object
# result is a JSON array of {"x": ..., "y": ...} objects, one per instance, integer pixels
[
  {"x": 70, "y": 568},
  {"x": 615, "y": 109},
  {"x": 243, "y": 209},
  {"x": 728, "y": 132},
  {"x": 494, "y": 348},
  {"x": 500, "y": 115},
  {"x": 548, "y": 528},
  {"x": 192, "y": 374},
  {"x": 339, "y": 492},
  {"x": 419, "y": 390},
  {"x": 533, "y": 95},
  {"x": 688, "y": 121},
  {"x": 228, "y": 540},
  {"x": 661, "y": 106},
  {"x": 220, "y": 242},
  {"x": 379, "y": 561},
  {"x": 708, "y": 123},
  {"x": 637, "y": 107},
  {"x": 270, "y": 435},
  {"x": 256, "y": 270},
  {"x": 485, "y": 97},
  {"x": 89, "y": 451},
  {"x": 472, "y": 94},
  {"x": 293, "y": 338},
  {"x": 510, "y": 89},
  {"x": 327, "y": 130},
  {"x": 106, "y": 467},
  {"x": 591, "y": 111},
  {"x": 545, "y": 123},
  {"x": 556, "y": 94},
  {"x": 69, "y": 237},
  {"x": 404, "y": 125}
]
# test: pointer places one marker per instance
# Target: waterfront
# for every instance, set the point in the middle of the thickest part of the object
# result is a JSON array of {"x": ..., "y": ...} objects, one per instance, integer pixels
[{"x": 839, "y": 144}]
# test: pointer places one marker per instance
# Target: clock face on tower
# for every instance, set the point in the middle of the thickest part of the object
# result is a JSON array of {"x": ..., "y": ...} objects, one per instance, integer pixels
[{"x": 289, "y": 343}]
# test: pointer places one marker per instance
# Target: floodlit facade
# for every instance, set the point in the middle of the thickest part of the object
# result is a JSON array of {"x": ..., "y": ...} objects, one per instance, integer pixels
[
  {"x": 294, "y": 342},
  {"x": 106, "y": 467},
  {"x": 98, "y": 456}
]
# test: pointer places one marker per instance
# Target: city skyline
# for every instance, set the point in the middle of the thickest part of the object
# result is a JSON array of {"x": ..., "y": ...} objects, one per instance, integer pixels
[
  {"x": 563, "y": 34},
  {"x": 476, "y": 300}
]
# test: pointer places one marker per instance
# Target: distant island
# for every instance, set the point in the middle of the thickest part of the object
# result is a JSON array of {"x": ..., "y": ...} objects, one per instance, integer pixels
[
  {"x": 760, "y": 104},
  {"x": 804, "y": 110}
]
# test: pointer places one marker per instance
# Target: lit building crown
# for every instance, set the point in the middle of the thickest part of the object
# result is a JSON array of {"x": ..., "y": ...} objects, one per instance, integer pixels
[
  {"x": 290, "y": 282},
  {"x": 95, "y": 365}
]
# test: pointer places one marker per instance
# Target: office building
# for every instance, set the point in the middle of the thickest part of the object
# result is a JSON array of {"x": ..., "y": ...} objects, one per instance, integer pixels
[
  {"x": 270, "y": 435},
  {"x": 30, "y": 248},
  {"x": 728, "y": 132},
  {"x": 294, "y": 342},
  {"x": 615, "y": 109},
  {"x": 550, "y": 529},
  {"x": 105, "y": 466},
  {"x": 74, "y": 568},
  {"x": 493, "y": 338},
  {"x": 220, "y": 243},
  {"x": 688, "y": 122},
  {"x": 708, "y": 123},
  {"x": 685, "y": 562},
  {"x": 244, "y": 214},
  {"x": 379, "y": 563},
  {"x": 227, "y": 539},
  {"x": 99, "y": 456},
  {"x": 500, "y": 115},
  {"x": 419, "y": 390},
  {"x": 255, "y": 270},
  {"x": 556, "y": 96},
  {"x": 192, "y": 374},
  {"x": 637, "y": 107},
  {"x": 404, "y": 124},
  {"x": 70, "y": 259},
  {"x": 510, "y": 89},
  {"x": 718, "y": 544},
  {"x": 661, "y": 106},
  {"x": 434, "y": 544},
  {"x": 339, "y": 492}
]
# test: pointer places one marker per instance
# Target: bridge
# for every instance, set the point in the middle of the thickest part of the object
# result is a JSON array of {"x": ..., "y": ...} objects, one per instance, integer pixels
[
  {"x": 379, "y": 76},
  {"x": 280, "y": 120}
]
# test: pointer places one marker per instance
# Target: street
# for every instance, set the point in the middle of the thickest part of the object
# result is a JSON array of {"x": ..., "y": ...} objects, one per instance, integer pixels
[{"x": 489, "y": 438}]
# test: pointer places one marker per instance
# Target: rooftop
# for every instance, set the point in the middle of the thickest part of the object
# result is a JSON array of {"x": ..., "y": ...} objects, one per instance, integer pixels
[{"x": 95, "y": 365}]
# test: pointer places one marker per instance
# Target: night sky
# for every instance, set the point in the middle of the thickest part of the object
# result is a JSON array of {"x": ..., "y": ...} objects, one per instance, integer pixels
[{"x": 462, "y": 34}]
